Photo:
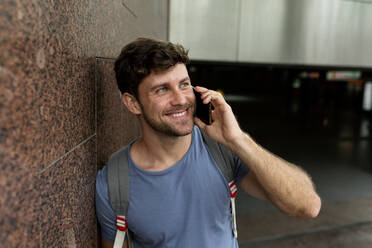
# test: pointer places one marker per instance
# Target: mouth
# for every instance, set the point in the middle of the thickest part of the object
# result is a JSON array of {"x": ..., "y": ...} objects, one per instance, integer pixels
[
  {"x": 179, "y": 114},
  {"x": 176, "y": 115}
]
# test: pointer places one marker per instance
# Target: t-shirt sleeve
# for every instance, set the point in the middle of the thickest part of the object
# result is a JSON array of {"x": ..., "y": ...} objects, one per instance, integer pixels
[
  {"x": 105, "y": 213},
  {"x": 240, "y": 170}
]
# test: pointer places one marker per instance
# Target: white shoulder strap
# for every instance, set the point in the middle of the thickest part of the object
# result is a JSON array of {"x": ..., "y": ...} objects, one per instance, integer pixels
[
  {"x": 122, "y": 228},
  {"x": 233, "y": 193},
  {"x": 119, "y": 239}
]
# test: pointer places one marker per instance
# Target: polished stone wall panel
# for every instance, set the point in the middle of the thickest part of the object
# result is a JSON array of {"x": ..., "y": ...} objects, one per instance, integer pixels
[
  {"x": 119, "y": 22},
  {"x": 48, "y": 112},
  {"x": 116, "y": 126},
  {"x": 71, "y": 34},
  {"x": 19, "y": 134},
  {"x": 67, "y": 193},
  {"x": 67, "y": 91}
]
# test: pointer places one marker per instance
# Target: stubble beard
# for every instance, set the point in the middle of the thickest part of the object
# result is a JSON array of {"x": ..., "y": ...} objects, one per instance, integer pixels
[{"x": 165, "y": 128}]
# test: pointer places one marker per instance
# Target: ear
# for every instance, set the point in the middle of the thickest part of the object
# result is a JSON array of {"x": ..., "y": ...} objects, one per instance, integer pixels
[{"x": 131, "y": 103}]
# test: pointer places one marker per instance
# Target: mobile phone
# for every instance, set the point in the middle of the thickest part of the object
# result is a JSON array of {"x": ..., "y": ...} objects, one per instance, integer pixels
[{"x": 203, "y": 111}]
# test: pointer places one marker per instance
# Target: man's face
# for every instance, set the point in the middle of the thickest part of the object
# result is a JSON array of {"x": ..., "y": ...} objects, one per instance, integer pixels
[{"x": 167, "y": 101}]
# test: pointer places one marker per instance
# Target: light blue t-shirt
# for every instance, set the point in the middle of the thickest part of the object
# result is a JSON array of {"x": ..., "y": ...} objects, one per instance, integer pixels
[{"x": 186, "y": 205}]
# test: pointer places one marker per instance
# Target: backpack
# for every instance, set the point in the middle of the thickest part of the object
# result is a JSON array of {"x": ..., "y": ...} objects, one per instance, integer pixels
[{"x": 118, "y": 184}]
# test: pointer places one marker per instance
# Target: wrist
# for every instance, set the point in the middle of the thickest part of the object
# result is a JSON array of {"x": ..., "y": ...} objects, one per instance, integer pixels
[{"x": 239, "y": 142}]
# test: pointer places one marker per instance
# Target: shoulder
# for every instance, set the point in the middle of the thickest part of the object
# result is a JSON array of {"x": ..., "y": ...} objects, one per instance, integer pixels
[
  {"x": 103, "y": 205},
  {"x": 122, "y": 152},
  {"x": 101, "y": 183},
  {"x": 105, "y": 214},
  {"x": 119, "y": 154}
]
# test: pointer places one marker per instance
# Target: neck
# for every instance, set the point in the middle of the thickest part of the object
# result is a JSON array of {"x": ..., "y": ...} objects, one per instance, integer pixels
[{"x": 156, "y": 152}]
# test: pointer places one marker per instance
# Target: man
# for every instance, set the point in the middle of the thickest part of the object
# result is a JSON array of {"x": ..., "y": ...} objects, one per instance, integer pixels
[{"x": 179, "y": 197}]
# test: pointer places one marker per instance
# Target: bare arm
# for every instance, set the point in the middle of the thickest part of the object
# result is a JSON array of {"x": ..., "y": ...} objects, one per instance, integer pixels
[
  {"x": 271, "y": 178},
  {"x": 108, "y": 244}
]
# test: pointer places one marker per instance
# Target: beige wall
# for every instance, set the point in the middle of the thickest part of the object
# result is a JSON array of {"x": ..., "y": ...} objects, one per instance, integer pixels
[{"x": 60, "y": 112}]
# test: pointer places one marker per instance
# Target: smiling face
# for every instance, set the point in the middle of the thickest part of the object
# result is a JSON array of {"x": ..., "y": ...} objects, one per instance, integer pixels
[{"x": 167, "y": 102}]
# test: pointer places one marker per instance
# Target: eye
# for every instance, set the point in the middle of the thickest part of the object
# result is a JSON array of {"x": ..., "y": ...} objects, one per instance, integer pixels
[
  {"x": 185, "y": 85},
  {"x": 161, "y": 90}
]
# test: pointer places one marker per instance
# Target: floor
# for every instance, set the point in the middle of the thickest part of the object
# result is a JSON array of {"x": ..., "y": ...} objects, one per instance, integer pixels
[{"x": 336, "y": 152}]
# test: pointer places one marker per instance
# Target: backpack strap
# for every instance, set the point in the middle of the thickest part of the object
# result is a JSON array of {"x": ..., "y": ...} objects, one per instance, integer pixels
[
  {"x": 225, "y": 160},
  {"x": 223, "y": 157},
  {"x": 118, "y": 185},
  {"x": 118, "y": 181}
]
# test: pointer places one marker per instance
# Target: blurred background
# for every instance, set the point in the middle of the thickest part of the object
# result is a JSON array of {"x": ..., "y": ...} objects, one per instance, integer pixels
[
  {"x": 298, "y": 76},
  {"x": 297, "y": 73}
]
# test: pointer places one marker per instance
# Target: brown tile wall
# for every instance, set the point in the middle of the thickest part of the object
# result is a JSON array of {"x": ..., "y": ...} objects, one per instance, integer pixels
[
  {"x": 19, "y": 124},
  {"x": 60, "y": 113},
  {"x": 115, "y": 126}
]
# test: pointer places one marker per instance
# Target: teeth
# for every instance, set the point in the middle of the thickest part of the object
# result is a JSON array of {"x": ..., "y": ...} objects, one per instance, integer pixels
[{"x": 179, "y": 114}]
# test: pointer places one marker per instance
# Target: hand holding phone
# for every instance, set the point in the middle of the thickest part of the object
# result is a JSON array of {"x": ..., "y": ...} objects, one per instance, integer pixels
[{"x": 203, "y": 111}]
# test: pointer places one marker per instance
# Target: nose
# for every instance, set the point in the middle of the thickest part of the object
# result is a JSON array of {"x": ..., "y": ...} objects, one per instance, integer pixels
[{"x": 179, "y": 97}]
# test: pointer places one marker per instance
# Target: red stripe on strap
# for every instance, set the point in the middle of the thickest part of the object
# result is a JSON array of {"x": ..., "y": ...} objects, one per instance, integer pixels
[
  {"x": 233, "y": 189},
  {"x": 121, "y": 223}
]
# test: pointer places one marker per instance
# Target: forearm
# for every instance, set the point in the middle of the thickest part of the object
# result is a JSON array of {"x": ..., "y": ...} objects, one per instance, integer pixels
[{"x": 286, "y": 185}]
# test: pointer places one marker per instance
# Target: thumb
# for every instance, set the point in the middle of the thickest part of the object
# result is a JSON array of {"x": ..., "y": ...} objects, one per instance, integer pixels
[{"x": 200, "y": 123}]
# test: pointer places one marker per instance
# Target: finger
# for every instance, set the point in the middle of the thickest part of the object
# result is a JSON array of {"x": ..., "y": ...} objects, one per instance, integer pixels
[
  {"x": 208, "y": 94},
  {"x": 200, "y": 89},
  {"x": 217, "y": 99},
  {"x": 214, "y": 97},
  {"x": 208, "y": 99}
]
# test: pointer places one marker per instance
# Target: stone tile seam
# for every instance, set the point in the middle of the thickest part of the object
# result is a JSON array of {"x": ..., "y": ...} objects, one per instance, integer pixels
[
  {"x": 302, "y": 234},
  {"x": 129, "y": 9},
  {"x": 105, "y": 58},
  {"x": 67, "y": 153},
  {"x": 96, "y": 104}
]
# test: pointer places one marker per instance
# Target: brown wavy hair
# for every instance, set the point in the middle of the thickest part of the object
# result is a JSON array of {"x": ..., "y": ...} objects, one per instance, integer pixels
[{"x": 143, "y": 56}]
